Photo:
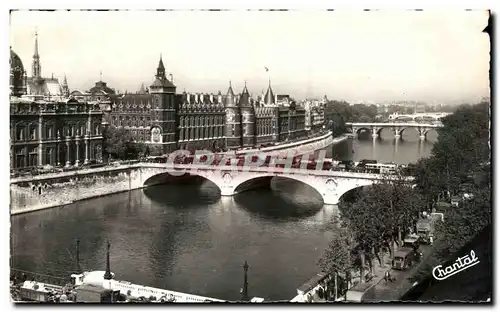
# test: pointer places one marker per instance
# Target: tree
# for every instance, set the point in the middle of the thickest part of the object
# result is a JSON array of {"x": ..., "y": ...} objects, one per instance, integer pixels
[
  {"x": 119, "y": 144},
  {"x": 462, "y": 148},
  {"x": 381, "y": 215},
  {"x": 461, "y": 155},
  {"x": 338, "y": 257},
  {"x": 463, "y": 222}
]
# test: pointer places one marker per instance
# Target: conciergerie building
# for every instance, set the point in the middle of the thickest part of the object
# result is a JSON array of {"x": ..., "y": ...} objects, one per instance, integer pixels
[
  {"x": 52, "y": 126},
  {"x": 166, "y": 120}
]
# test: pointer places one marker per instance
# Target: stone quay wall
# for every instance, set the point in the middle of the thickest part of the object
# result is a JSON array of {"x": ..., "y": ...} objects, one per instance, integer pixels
[{"x": 60, "y": 191}]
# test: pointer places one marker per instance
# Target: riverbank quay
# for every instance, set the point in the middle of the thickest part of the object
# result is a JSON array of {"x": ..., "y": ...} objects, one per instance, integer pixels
[
  {"x": 32, "y": 193},
  {"x": 393, "y": 291},
  {"x": 374, "y": 289},
  {"x": 313, "y": 291}
]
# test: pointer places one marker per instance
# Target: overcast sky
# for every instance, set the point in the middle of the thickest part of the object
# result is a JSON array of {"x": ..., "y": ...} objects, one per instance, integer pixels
[{"x": 433, "y": 56}]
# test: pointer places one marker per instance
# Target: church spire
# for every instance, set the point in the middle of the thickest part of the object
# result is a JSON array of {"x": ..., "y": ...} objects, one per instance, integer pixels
[
  {"x": 65, "y": 87},
  {"x": 37, "y": 70},
  {"x": 160, "y": 71}
]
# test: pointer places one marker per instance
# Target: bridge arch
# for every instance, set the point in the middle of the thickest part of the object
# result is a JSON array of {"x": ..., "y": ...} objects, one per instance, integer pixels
[
  {"x": 359, "y": 130},
  {"x": 329, "y": 188},
  {"x": 403, "y": 129},
  {"x": 265, "y": 182},
  {"x": 430, "y": 130},
  {"x": 161, "y": 176}
]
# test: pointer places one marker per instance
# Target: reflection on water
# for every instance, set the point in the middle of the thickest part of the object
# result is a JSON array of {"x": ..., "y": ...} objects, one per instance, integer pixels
[
  {"x": 408, "y": 148},
  {"x": 183, "y": 238},
  {"x": 188, "y": 238}
]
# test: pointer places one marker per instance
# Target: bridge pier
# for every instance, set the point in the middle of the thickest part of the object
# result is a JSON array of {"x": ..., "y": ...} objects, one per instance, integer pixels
[
  {"x": 374, "y": 133},
  {"x": 397, "y": 133}
]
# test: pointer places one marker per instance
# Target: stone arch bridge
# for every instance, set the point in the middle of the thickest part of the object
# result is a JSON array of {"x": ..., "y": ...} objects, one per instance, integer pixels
[
  {"x": 59, "y": 189},
  {"x": 396, "y": 127},
  {"x": 331, "y": 185}
]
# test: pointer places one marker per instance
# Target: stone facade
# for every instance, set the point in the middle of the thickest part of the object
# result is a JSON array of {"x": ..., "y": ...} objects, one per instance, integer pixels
[
  {"x": 166, "y": 120},
  {"x": 55, "y": 133},
  {"x": 48, "y": 129}
]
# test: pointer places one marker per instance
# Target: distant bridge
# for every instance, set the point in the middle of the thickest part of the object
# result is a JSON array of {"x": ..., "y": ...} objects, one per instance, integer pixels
[
  {"x": 434, "y": 116},
  {"x": 396, "y": 127}
]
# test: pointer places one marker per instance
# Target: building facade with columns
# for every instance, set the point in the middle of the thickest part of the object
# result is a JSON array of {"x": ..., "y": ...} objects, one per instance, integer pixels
[{"x": 46, "y": 126}]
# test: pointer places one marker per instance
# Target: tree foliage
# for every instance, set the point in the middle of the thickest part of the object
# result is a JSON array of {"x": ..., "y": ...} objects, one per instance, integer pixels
[
  {"x": 338, "y": 255},
  {"x": 462, "y": 149},
  {"x": 462, "y": 223},
  {"x": 119, "y": 143},
  {"x": 382, "y": 210},
  {"x": 460, "y": 157}
]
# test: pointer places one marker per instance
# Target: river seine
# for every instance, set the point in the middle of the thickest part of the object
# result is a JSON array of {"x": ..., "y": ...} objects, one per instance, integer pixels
[{"x": 189, "y": 239}]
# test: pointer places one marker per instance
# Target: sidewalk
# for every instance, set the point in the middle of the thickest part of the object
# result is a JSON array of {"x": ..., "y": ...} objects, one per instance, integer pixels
[{"x": 393, "y": 291}]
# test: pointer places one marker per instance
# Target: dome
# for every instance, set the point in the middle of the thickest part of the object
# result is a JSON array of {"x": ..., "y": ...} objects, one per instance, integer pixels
[
  {"x": 17, "y": 75},
  {"x": 15, "y": 61}
]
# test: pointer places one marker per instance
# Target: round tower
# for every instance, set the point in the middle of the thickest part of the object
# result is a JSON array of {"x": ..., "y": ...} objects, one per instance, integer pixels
[
  {"x": 233, "y": 120},
  {"x": 247, "y": 119}
]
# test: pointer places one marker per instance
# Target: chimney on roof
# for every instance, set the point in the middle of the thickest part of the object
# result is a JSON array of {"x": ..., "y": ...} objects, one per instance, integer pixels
[
  {"x": 201, "y": 98},
  {"x": 196, "y": 97},
  {"x": 211, "y": 97}
]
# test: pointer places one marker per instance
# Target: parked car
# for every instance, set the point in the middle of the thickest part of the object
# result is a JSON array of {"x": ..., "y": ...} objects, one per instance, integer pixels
[{"x": 403, "y": 259}]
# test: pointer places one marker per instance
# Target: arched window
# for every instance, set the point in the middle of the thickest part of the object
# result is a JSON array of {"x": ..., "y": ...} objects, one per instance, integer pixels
[
  {"x": 191, "y": 122},
  {"x": 197, "y": 121},
  {"x": 181, "y": 121},
  {"x": 32, "y": 129},
  {"x": 20, "y": 133},
  {"x": 186, "y": 133}
]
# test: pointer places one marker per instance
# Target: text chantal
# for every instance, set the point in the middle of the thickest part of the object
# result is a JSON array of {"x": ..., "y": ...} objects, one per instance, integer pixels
[{"x": 460, "y": 264}]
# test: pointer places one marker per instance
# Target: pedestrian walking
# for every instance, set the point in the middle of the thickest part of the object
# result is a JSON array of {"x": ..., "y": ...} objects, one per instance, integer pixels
[{"x": 386, "y": 276}]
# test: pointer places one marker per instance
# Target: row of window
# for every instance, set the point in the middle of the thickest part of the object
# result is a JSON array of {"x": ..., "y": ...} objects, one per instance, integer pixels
[
  {"x": 49, "y": 156},
  {"x": 201, "y": 121},
  {"x": 201, "y": 133},
  {"x": 27, "y": 133}
]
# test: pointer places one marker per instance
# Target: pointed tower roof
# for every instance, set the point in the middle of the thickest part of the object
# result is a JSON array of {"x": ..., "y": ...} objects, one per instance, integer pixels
[
  {"x": 269, "y": 97},
  {"x": 230, "y": 98},
  {"x": 245, "y": 97},
  {"x": 160, "y": 64},
  {"x": 230, "y": 89},
  {"x": 160, "y": 77},
  {"x": 65, "y": 81},
  {"x": 36, "y": 44}
]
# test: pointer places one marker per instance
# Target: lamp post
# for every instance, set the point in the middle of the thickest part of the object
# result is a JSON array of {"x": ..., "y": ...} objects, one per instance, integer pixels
[
  {"x": 78, "y": 270},
  {"x": 244, "y": 292},
  {"x": 107, "y": 275}
]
